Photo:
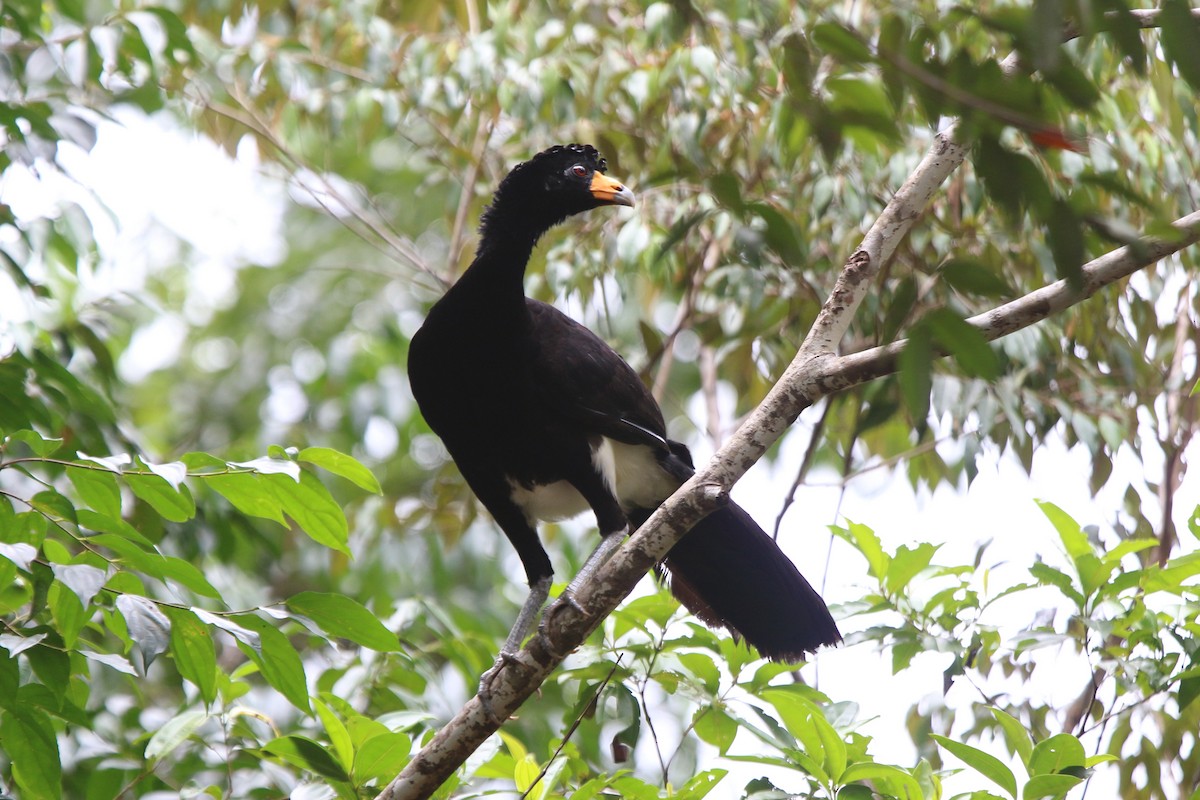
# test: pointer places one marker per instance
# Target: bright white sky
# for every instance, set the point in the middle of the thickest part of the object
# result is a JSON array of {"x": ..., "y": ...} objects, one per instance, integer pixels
[{"x": 148, "y": 185}]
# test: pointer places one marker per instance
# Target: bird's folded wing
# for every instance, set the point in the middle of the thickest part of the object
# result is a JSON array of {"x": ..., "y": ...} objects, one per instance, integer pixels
[{"x": 580, "y": 377}]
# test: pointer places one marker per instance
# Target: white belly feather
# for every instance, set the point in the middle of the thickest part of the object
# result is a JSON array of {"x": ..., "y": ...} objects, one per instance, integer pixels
[{"x": 631, "y": 470}]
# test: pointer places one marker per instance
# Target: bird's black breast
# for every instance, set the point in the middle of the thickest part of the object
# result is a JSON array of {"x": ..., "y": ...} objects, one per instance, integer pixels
[{"x": 529, "y": 398}]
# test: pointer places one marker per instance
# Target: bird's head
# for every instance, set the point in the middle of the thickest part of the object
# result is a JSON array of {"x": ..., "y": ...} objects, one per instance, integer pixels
[{"x": 551, "y": 186}]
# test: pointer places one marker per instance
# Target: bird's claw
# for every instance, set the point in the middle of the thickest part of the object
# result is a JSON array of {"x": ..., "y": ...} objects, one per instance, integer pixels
[
  {"x": 565, "y": 600},
  {"x": 485, "y": 686}
]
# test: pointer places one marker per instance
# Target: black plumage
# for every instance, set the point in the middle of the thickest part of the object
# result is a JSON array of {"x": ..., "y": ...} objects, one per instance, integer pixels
[{"x": 545, "y": 420}]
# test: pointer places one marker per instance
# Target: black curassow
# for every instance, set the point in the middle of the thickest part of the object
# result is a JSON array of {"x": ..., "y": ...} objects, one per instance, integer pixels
[{"x": 544, "y": 420}]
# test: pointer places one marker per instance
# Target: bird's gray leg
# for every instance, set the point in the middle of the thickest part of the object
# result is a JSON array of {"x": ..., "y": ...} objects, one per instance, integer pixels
[
  {"x": 604, "y": 551},
  {"x": 539, "y": 590}
]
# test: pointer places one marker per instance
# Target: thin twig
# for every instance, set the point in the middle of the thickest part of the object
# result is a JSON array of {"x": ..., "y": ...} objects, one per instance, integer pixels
[
  {"x": 708, "y": 388},
  {"x": 399, "y": 245},
  {"x": 1179, "y": 427},
  {"x": 483, "y": 133},
  {"x": 683, "y": 318},
  {"x": 574, "y": 726},
  {"x": 810, "y": 454}
]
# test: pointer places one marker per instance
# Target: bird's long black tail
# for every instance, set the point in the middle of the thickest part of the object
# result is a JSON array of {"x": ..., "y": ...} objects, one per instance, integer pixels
[{"x": 729, "y": 572}]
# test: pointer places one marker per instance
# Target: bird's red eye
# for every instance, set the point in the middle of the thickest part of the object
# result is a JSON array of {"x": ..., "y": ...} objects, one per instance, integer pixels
[{"x": 579, "y": 170}]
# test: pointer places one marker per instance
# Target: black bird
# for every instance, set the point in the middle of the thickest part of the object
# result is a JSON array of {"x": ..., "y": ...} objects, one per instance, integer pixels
[{"x": 544, "y": 420}]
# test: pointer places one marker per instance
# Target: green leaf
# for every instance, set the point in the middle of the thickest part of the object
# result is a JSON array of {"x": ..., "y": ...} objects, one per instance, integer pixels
[
  {"x": 1011, "y": 180},
  {"x": 1188, "y": 691},
  {"x": 361, "y": 728},
  {"x": 381, "y": 757},
  {"x": 1074, "y": 85},
  {"x": 50, "y": 663},
  {"x": 1049, "y": 576},
  {"x": 186, "y": 574},
  {"x": 703, "y": 667},
  {"x": 10, "y": 677},
  {"x": 1114, "y": 555},
  {"x": 173, "y": 733},
  {"x": 725, "y": 187},
  {"x": 525, "y": 772},
  {"x": 1093, "y": 573},
  {"x": 680, "y": 231},
  {"x": 1045, "y": 32},
  {"x": 196, "y": 461},
  {"x": 278, "y": 661},
  {"x": 780, "y": 234},
  {"x": 714, "y": 726},
  {"x": 1181, "y": 40},
  {"x": 1056, "y": 754},
  {"x": 68, "y": 612},
  {"x": 1072, "y": 536},
  {"x": 342, "y": 617},
  {"x": 99, "y": 522},
  {"x": 1128, "y": 35},
  {"x": 916, "y": 374},
  {"x": 172, "y": 504},
  {"x": 32, "y": 749},
  {"x": 985, "y": 764},
  {"x": 98, "y": 489},
  {"x": 884, "y": 774},
  {"x": 838, "y": 41},
  {"x": 858, "y": 101},
  {"x": 804, "y": 720},
  {"x": 339, "y": 737},
  {"x": 54, "y": 506},
  {"x": 306, "y": 754},
  {"x": 906, "y": 563},
  {"x": 965, "y": 342},
  {"x": 342, "y": 465},
  {"x": 1049, "y": 786},
  {"x": 1015, "y": 734},
  {"x": 867, "y": 543},
  {"x": 314, "y": 510},
  {"x": 797, "y": 67},
  {"x": 130, "y": 554},
  {"x": 194, "y": 652},
  {"x": 894, "y": 35},
  {"x": 971, "y": 276},
  {"x": 834, "y": 748},
  {"x": 901, "y": 301},
  {"x": 245, "y": 492},
  {"x": 1065, "y": 237},
  {"x": 148, "y": 627},
  {"x": 700, "y": 784},
  {"x": 1171, "y": 577},
  {"x": 42, "y": 446}
]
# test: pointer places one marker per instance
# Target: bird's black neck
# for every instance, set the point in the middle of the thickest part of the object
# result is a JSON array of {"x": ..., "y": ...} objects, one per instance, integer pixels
[{"x": 493, "y": 286}]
